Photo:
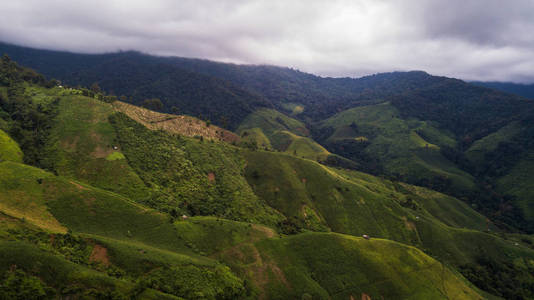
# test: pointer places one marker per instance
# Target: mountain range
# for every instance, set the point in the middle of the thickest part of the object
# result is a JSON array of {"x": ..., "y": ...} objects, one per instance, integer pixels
[{"x": 127, "y": 175}]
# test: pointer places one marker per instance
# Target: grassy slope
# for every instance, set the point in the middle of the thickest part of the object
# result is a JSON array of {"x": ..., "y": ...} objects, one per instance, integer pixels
[
  {"x": 9, "y": 149},
  {"x": 293, "y": 108},
  {"x": 22, "y": 196},
  {"x": 395, "y": 220},
  {"x": 256, "y": 136},
  {"x": 399, "y": 144},
  {"x": 376, "y": 268},
  {"x": 82, "y": 147},
  {"x": 70, "y": 278},
  {"x": 190, "y": 175},
  {"x": 350, "y": 202},
  {"x": 80, "y": 207},
  {"x": 354, "y": 203},
  {"x": 269, "y": 128},
  {"x": 296, "y": 187},
  {"x": 270, "y": 121},
  {"x": 138, "y": 240},
  {"x": 299, "y": 146},
  {"x": 444, "y": 208}
]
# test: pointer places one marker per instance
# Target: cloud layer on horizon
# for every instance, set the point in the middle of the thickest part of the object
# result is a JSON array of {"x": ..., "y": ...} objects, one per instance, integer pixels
[{"x": 468, "y": 39}]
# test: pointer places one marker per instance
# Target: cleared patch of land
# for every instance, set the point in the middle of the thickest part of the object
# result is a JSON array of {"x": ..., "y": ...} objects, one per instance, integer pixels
[{"x": 182, "y": 124}]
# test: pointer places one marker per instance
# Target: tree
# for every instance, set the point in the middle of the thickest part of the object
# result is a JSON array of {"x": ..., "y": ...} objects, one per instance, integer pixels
[{"x": 96, "y": 88}]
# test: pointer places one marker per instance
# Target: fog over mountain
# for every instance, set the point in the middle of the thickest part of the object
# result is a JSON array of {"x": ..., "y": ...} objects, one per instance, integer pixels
[{"x": 473, "y": 40}]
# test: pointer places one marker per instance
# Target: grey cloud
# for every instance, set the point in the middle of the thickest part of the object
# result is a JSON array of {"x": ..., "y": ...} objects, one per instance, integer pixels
[
  {"x": 487, "y": 22},
  {"x": 470, "y": 39}
]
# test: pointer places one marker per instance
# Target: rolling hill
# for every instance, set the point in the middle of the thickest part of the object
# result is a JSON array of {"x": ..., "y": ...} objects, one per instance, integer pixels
[{"x": 100, "y": 198}]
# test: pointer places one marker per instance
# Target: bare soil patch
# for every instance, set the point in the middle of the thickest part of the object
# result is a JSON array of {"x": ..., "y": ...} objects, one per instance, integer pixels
[
  {"x": 211, "y": 177},
  {"x": 99, "y": 255}
]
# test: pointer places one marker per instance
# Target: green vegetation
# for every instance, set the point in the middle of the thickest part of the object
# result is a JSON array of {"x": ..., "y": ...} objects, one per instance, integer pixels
[
  {"x": 476, "y": 153},
  {"x": 128, "y": 231},
  {"x": 25, "y": 119},
  {"x": 304, "y": 191},
  {"x": 254, "y": 138},
  {"x": 270, "y": 121},
  {"x": 518, "y": 182},
  {"x": 23, "y": 196},
  {"x": 381, "y": 141},
  {"x": 363, "y": 267},
  {"x": 288, "y": 142},
  {"x": 191, "y": 282},
  {"x": 184, "y": 181},
  {"x": 269, "y": 129},
  {"x": 119, "y": 202},
  {"x": 83, "y": 145},
  {"x": 293, "y": 108},
  {"x": 17, "y": 284},
  {"x": 9, "y": 149},
  {"x": 115, "y": 156}
]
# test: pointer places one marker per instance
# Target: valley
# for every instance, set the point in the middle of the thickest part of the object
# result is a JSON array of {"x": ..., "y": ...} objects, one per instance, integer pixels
[{"x": 277, "y": 185}]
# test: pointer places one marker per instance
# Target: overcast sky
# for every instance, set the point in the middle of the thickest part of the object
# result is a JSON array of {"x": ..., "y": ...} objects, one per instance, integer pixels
[{"x": 468, "y": 39}]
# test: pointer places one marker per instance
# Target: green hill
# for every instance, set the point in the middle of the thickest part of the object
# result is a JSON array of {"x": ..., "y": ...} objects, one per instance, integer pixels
[
  {"x": 121, "y": 231},
  {"x": 456, "y": 115},
  {"x": 83, "y": 146},
  {"x": 270, "y": 129},
  {"x": 191, "y": 176},
  {"x": 379, "y": 134},
  {"x": 122, "y": 202},
  {"x": 271, "y": 121},
  {"x": 364, "y": 268}
]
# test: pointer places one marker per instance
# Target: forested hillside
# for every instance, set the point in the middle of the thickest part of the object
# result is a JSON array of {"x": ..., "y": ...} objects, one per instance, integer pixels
[
  {"x": 520, "y": 89},
  {"x": 102, "y": 199}
]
